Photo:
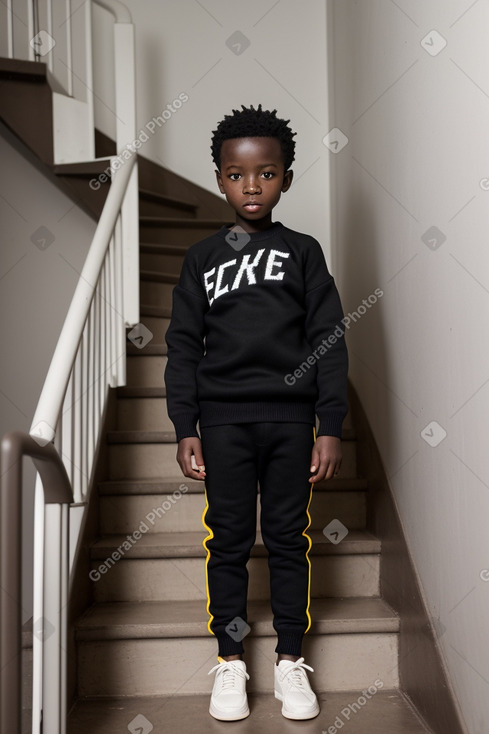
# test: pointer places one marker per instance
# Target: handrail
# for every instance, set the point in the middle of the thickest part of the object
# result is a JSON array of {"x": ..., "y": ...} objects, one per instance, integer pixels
[
  {"x": 51, "y": 399},
  {"x": 57, "y": 489},
  {"x": 119, "y": 10}
]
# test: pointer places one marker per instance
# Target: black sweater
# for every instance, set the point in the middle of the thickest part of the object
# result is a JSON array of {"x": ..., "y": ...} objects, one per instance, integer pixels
[{"x": 256, "y": 334}]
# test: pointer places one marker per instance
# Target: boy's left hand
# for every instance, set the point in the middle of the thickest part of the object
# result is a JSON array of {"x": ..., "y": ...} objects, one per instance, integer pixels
[{"x": 326, "y": 458}]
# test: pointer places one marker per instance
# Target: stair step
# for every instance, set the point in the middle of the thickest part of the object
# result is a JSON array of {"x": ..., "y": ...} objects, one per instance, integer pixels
[
  {"x": 190, "y": 545},
  {"x": 386, "y": 712},
  {"x": 159, "y": 619},
  {"x": 140, "y": 436},
  {"x": 176, "y": 231},
  {"x": 158, "y": 248},
  {"x": 170, "y": 484},
  {"x": 155, "y": 311},
  {"x": 151, "y": 262},
  {"x": 149, "y": 412},
  {"x": 151, "y": 275},
  {"x": 148, "y": 349},
  {"x": 84, "y": 168},
  {"x": 157, "y": 460},
  {"x": 156, "y": 197},
  {"x": 26, "y": 70},
  {"x": 128, "y": 652},
  {"x": 156, "y": 294},
  {"x": 157, "y": 325},
  {"x": 177, "y": 579},
  {"x": 146, "y": 368},
  {"x": 182, "y": 511},
  {"x": 180, "y": 223},
  {"x": 141, "y": 392},
  {"x": 144, "y": 408}
]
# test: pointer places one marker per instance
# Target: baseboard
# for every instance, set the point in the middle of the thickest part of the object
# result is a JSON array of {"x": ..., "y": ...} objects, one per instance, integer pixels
[{"x": 422, "y": 672}]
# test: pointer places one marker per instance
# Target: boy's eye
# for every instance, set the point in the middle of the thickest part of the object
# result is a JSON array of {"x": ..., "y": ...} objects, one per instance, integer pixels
[
  {"x": 234, "y": 176},
  {"x": 268, "y": 174}
]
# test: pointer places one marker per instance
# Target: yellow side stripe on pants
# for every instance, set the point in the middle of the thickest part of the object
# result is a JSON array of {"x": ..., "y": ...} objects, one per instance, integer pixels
[
  {"x": 309, "y": 548},
  {"x": 209, "y": 537}
]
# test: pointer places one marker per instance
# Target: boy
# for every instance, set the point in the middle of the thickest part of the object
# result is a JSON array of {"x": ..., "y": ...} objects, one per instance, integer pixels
[{"x": 253, "y": 358}]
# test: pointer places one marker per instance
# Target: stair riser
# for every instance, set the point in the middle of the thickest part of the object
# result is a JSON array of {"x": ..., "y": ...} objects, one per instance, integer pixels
[
  {"x": 174, "y": 235},
  {"x": 146, "y": 460},
  {"x": 157, "y": 326},
  {"x": 181, "y": 579},
  {"x": 143, "y": 414},
  {"x": 124, "y": 514},
  {"x": 148, "y": 208},
  {"x": 158, "y": 667},
  {"x": 160, "y": 263},
  {"x": 143, "y": 371},
  {"x": 156, "y": 294}
]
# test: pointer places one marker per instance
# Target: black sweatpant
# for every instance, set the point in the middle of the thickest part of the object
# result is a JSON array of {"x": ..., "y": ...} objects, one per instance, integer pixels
[{"x": 236, "y": 457}]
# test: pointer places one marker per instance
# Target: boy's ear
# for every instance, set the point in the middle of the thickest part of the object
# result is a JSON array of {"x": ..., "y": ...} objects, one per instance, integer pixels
[
  {"x": 288, "y": 176},
  {"x": 219, "y": 181}
]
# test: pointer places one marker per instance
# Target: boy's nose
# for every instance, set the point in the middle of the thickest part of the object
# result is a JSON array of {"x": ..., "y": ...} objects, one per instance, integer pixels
[{"x": 251, "y": 187}]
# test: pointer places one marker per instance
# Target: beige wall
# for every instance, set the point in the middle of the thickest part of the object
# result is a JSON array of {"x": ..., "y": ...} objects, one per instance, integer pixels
[
  {"x": 417, "y": 158},
  {"x": 36, "y": 286},
  {"x": 181, "y": 48}
]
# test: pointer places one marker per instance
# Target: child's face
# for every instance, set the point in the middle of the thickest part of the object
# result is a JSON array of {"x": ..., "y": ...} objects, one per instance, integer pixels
[{"x": 252, "y": 177}]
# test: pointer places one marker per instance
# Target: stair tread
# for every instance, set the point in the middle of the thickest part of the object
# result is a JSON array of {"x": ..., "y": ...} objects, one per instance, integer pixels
[
  {"x": 182, "y": 222},
  {"x": 387, "y": 712},
  {"x": 170, "y": 484},
  {"x": 150, "y": 350},
  {"x": 164, "y": 198},
  {"x": 155, "y": 311},
  {"x": 83, "y": 168},
  {"x": 20, "y": 68},
  {"x": 158, "y": 277},
  {"x": 139, "y": 436},
  {"x": 139, "y": 620},
  {"x": 157, "y": 248},
  {"x": 189, "y": 545},
  {"x": 141, "y": 392}
]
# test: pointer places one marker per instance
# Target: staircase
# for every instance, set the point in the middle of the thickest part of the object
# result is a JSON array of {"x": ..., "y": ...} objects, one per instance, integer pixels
[{"x": 143, "y": 649}]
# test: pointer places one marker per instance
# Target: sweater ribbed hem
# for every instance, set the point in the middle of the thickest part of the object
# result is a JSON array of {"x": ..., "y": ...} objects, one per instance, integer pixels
[
  {"x": 214, "y": 413},
  {"x": 185, "y": 426},
  {"x": 227, "y": 645},
  {"x": 330, "y": 424},
  {"x": 289, "y": 642}
]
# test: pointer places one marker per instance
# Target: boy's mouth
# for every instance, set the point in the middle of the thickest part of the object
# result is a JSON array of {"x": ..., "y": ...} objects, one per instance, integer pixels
[{"x": 252, "y": 206}]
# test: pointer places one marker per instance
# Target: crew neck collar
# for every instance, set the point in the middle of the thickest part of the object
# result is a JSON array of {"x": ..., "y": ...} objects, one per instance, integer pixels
[{"x": 265, "y": 234}]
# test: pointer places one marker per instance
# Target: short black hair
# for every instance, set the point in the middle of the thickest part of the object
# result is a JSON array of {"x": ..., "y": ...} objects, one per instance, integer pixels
[{"x": 253, "y": 123}]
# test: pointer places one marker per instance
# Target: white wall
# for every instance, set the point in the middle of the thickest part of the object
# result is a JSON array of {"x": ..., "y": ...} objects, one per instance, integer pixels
[
  {"x": 181, "y": 48},
  {"x": 37, "y": 283},
  {"x": 418, "y": 129}
]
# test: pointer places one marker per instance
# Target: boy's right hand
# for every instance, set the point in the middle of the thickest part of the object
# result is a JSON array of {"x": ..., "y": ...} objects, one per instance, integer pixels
[{"x": 187, "y": 448}]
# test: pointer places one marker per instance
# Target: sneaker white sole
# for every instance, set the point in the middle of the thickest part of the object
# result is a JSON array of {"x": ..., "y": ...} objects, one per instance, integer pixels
[
  {"x": 297, "y": 716},
  {"x": 227, "y": 716}
]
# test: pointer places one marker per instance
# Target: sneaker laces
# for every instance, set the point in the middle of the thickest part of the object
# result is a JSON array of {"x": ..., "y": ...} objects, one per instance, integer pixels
[
  {"x": 296, "y": 674},
  {"x": 229, "y": 671}
]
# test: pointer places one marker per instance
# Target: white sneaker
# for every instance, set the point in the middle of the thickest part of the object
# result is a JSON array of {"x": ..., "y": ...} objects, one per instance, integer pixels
[
  {"x": 292, "y": 688},
  {"x": 228, "y": 700}
]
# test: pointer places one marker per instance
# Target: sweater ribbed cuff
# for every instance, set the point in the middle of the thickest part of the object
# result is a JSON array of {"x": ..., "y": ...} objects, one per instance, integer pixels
[
  {"x": 185, "y": 426},
  {"x": 330, "y": 424}
]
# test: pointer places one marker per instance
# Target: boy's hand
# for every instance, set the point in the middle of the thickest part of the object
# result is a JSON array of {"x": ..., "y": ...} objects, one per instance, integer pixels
[
  {"x": 188, "y": 447},
  {"x": 326, "y": 458}
]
